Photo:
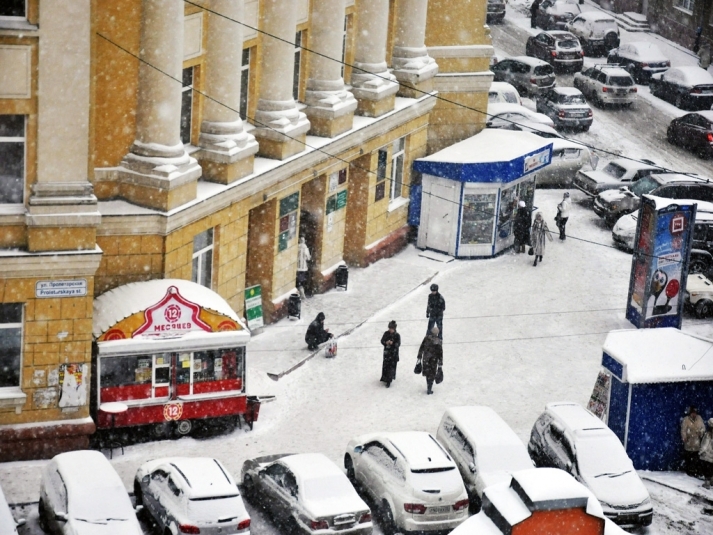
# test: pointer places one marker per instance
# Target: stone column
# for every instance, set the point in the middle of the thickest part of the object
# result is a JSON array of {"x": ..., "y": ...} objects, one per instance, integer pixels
[
  {"x": 413, "y": 67},
  {"x": 281, "y": 129},
  {"x": 372, "y": 84},
  {"x": 330, "y": 107},
  {"x": 228, "y": 151},
  {"x": 158, "y": 169}
]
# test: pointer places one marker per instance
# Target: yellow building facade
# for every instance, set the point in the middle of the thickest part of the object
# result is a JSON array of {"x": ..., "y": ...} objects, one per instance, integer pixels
[{"x": 198, "y": 140}]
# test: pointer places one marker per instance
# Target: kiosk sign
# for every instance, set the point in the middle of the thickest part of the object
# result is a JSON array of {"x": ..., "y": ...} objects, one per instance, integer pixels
[{"x": 172, "y": 316}]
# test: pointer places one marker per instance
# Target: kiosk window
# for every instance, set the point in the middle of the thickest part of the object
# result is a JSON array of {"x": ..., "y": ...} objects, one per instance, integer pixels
[
  {"x": 123, "y": 371},
  {"x": 214, "y": 365},
  {"x": 478, "y": 218}
]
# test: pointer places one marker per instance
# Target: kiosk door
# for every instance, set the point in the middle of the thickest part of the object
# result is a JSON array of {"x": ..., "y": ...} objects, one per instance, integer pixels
[{"x": 161, "y": 384}]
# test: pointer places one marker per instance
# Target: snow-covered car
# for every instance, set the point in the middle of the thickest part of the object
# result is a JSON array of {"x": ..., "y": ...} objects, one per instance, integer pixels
[
  {"x": 413, "y": 482},
  {"x": 624, "y": 231},
  {"x": 596, "y": 31},
  {"x": 191, "y": 495},
  {"x": 694, "y": 132},
  {"x": 81, "y": 494},
  {"x": 501, "y": 115},
  {"x": 558, "y": 48},
  {"x": 483, "y": 446},
  {"x": 569, "y": 437},
  {"x": 503, "y": 93},
  {"x": 641, "y": 59},
  {"x": 306, "y": 492},
  {"x": 555, "y": 14},
  {"x": 687, "y": 88},
  {"x": 606, "y": 84},
  {"x": 530, "y": 76},
  {"x": 566, "y": 107},
  {"x": 8, "y": 524},
  {"x": 495, "y": 11},
  {"x": 699, "y": 295},
  {"x": 617, "y": 173}
]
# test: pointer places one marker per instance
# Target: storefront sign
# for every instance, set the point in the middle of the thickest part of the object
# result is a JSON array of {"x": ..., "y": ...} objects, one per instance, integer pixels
[
  {"x": 172, "y": 316},
  {"x": 67, "y": 288},
  {"x": 172, "y": 411},
  {"x": 341, "y": 199},
  {"x": 253, "y": 306},
  {"x": 537, "y": 160}
]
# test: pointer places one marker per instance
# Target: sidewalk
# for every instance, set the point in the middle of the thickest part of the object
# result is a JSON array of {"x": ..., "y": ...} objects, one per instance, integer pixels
[{"x": 680, "y": 482}]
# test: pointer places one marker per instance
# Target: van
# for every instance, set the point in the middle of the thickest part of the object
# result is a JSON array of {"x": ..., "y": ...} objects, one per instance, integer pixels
[{"x": 483, "y": 447}]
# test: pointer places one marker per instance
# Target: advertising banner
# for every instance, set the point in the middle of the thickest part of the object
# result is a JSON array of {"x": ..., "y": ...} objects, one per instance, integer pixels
[
  {"x": 253, "y": 306},
  {"x": 659, "y": 265}
]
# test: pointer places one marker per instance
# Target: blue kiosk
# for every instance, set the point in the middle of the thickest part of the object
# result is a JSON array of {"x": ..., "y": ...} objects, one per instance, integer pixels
[
  {"x": 470, "y": 191},
  {"x": 656, "y": 374}
]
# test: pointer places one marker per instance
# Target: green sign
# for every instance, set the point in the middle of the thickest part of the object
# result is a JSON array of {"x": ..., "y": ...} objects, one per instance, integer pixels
[
  {"x": 331, "y": 204},
  {"x": 282, "y": 241},
  {"x": 289, "y": 204},
  {"x": 341, "y": 199},
  {"x": 253, "y": 306}
]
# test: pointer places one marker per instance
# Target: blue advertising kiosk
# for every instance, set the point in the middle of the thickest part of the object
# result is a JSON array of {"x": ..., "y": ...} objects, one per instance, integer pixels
[
  {"x": 654, "y": 376},
  {"x": 470, "y": 191}
]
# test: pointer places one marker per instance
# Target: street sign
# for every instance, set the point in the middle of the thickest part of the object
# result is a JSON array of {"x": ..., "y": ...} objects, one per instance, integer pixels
[{"x": 253, "y": 306}]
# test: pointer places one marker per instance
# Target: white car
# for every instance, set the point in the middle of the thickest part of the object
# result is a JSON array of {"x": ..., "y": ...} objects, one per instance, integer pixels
[
  {"x": 500, "y": 115},
  {"x": 308, "y": 492},
  {"x": 699, "y": 295},
  {"x": 503, "y": 92},
  {"x": 606, "y": 84},
  {"x": 191, "y": 495},
  {"x": 595, "y": 30},
  {"x": 81, "y": 494},
  {"x": 617, "y": 173},
  {"x": 8, "y": 524},
  {"x": 414, "y": 483},
  {"x": 624, "y": 231}
]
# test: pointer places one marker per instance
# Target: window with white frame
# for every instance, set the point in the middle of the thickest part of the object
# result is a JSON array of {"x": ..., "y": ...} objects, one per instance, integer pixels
[
  {"x": 12, "y": 159},
  {"x": 203, "y": 258},
  {"x": 13, "y": 10},
  {"x": 685, "y": 4},
  {"x": 10, "y": 344},
  {"x": 187, "y": 105},
  {"x": 245, "y": 84},
  {"x": 298, "y": 65},
  {"x": 397, "y": 167}
]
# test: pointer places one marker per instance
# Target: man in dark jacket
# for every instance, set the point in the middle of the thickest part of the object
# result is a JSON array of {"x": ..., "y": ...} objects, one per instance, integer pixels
[
  {"x": 316, "y": 333},
  {"x": 391, "y": 340},
  {"x": 434, "y": 310},
  {"x": 521, "y": 228},
  {"x": 431, "y": 356},
  {"x": 534, "y": 8}
]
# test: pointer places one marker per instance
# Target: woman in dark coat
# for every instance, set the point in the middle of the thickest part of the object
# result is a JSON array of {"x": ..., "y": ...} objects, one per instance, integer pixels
[
  {"x": 391, "y": 340},
  {"x": 521, "y": 228},
  {"x": 431, "y": 356},
  {"x": 316, "y": 333}
]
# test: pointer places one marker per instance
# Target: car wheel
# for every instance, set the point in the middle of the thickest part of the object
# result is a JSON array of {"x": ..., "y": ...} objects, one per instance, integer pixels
[
  {"x": 183, "y": 427},
  {"x": 349, "y": 467},
  {"x": 670, "y": 137},
  {"x": 43, "y": 517},
  {"x": 585, "y": 129},
  {"x": 704, "y": 308},
  {"x": 388, "y": 526},
  {"x": 475, "y": 504},
  {"x": 698, "y": 265},
  {"x": 138, "y": 493},
  {"x": 248, "y": 487},
  {"x": 162, "y": 430}
]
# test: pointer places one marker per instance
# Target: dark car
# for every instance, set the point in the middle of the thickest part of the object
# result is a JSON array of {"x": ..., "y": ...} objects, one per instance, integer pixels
[
  {"x": 687, "y": 88},
  {"x": 694, "y": 132},
  {"x": 530, "y": 76},
  {"x": 558, "y": 48},
  {"x": 555, "y": 14},
  {"x": 566, "y": 107},
  {"x": 496, "y": 11},
  {"x": 642, "y": 60}
]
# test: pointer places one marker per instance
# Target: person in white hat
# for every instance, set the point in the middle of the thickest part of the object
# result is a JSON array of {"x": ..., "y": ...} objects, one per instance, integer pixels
[{"x": 563, "y": 214}]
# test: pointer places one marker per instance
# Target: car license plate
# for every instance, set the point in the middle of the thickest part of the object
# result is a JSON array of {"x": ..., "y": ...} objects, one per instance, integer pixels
[
  {"x": 577, "y": 114},
  {"x": 621, "y": 91},
  {"x": 441, "y": 509}
]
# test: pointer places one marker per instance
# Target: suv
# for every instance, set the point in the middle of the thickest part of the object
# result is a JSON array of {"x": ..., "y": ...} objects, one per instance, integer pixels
[
  {"x": 555, "y": 14},
  {"x": 617, "y": 173},
  {"x": 569, "y": 437},
  {"x": 560, "y": 49},
  {"x": 496, "y": 11},
  {"x": 566, "y": 107},
  {"x": 596, "y": 31},
  {"x": 641, "y": 60},
  {"x": 606, "y": 84},
  {"x": 530, "y": 76}
]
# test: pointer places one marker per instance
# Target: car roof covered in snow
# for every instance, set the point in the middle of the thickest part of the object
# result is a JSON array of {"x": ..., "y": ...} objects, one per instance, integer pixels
[
  {"x": 596, "y": 16},
  {"x": 202, "y": 477},
  {"x": 420, "y": 450},
  {"x": 643, "y": 50},
  {"x": 89, "y": 470},
  {"x": 566, "y": 90},
  {"x": 663, "y": 355},
  {"x": 691, "y": 75},
  {"x": 529, "y": 60},
  {"x": 311, "y": 465},
  {"x": 575, "y": 417},
  {"x": 708, "y": 114}
]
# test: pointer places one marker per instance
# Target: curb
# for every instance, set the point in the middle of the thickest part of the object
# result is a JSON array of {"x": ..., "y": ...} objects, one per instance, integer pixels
[{"x": 700, "y": 496}]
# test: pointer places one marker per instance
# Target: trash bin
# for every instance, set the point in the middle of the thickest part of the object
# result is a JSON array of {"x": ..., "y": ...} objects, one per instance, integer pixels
[
  {"x": 294, "y": 306},
  {"x": 342, "y": 277},
  {"x": 252, "y": 411}
]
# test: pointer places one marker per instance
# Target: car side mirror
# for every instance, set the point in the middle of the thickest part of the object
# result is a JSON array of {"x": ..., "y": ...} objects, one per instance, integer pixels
[
  {"x": 20, "y": 522},
  {"x": 471, "y": 467},
  {"x": 61, "y": 517},
  {"x": 146, "y": 480},
  {"x": 358, "y": 449}
]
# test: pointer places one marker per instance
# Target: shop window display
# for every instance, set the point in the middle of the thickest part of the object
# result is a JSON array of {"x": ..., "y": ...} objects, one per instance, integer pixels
[{"x": 477, "y": 223}]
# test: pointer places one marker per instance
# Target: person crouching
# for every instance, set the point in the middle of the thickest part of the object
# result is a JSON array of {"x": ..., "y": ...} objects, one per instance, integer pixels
[{"x": 316, "y": 333}]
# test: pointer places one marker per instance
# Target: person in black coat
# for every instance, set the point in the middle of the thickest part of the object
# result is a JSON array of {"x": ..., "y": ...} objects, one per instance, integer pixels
[
  {"x": 431, "y": 356},
  {"x": 521, "y": 227},
  {"x": 391, "y": 340},
  {"x": 316, "y": 333},
  {"x": 434, "y": 310},
  {"x": 534, "y": 8}
]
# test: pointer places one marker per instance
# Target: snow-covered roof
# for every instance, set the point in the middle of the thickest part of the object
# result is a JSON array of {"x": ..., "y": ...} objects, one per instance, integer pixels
[
  {"x": 574, "y": 416},
  {"x": 420, "y": 450},
  {"x": 120, "y": 303},
  {"x": 658, "y": 356},
  {"x": 567, "y": 90},
  {"x": 561, "y": 35},
  {"x": 529, "y": 60},
  {"x": 549, "y": 488},
  {"x": 596, "y": 16},
  {"x": 690, "y": 75},
  {"x": 205, "y": 477},
  {"x": 644, "y": 51},
  {"x": 90, "y": 469},
  {"x": 708, "y": 114},
  {"x": 663, "y": 202},
  {"x": 311, "y": 465}
]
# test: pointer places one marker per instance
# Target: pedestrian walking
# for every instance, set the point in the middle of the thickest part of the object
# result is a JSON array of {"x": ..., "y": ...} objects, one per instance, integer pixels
[
  {"x": 537, "y": 237},
  {"x": 697, "y": 41},
  {"x": 316, "y": 333},
  {"x": 391, "y": 340},
  {"x": 692, "y": 431},
  {"x": 704, "y": 56},
  {"x": 303, "y": 257},
  {"x": 534, "y": 9},
  {"x": 430, "y": 355},
  {"x": 705, "y": 455},
  {"x": 521, "y": 227},
  {"x": 563, "y": 214},
  {"x": 434, "y": 310}
]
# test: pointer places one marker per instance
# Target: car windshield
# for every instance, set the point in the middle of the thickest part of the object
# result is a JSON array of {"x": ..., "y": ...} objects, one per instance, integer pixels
[
  {"x": 92, "y": 504},
  {"x": 572, "y": 99},
  {"x": 221, "y": 508},
  {"x": 624, "y": 81},
  {"x": 615, "y": 170},
  {"x": 543, "y": 70},
  {"x": 444, "y": 479},
  {"x": 643, "y": 186},
  {"x": 567, "y": 43},
  {"x": 602, "y": 456},
  {"x": 332, "y": 487},
  {"x": 602, "y": 26}
]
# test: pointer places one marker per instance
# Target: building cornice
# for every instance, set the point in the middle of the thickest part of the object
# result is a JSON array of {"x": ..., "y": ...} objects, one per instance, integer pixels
[
  {"x": 461, "y": 51},
  {"x": 21, "y": 264}
]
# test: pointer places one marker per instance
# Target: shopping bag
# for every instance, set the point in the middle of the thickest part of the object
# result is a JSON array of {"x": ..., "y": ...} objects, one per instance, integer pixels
[
  {"x": 531, "y": 251},
  {"x": 330, "y": 350},
  {"x": 418, "y": 369},
  {"x": 439, "y": 375}
]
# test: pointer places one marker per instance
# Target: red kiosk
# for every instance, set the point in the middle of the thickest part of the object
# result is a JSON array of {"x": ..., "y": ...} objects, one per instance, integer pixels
[{"x": 173, "y": 352}]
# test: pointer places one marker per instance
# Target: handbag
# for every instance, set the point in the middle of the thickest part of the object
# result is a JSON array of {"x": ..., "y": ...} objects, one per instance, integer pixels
[
  {"x": 418, "y": 369},
  {"x": 330, "y": 350},
  {"x": 531, "y": 251},
  {"x": 439, "y": 375}
]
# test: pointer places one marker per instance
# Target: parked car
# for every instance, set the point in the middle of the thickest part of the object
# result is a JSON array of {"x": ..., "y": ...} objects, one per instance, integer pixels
[
  {"x": 699, "y": 293},
  {"x": 496, "y": 11},
  {"x": 566, "y": 107},
  {"x": 596, "y": 31},
  {"x": 530, "y": 76},
  {"x": 80, "y": 493},
  {"x": 8, "y": 524},
  {"x": 617, "y": 173},
  {"x": 503, "y": 93},
  {"x": 483, "y": 446},
  {"x": 413, "y": 482},
  {"x": 191, "y": 495},
  {"x": 694, "y": 132},
  {"x": 308, "y": 492},
  {"x": 558, "y": 48},
  {"x": 604, "y": 84},
  {"x": 555, "y": 14},
  {"x": 500, "y": 115},
  {"x": 571, "y": 438},
  {"x": 640, "y": 59},
  {"x": 687, "y": 88}
]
